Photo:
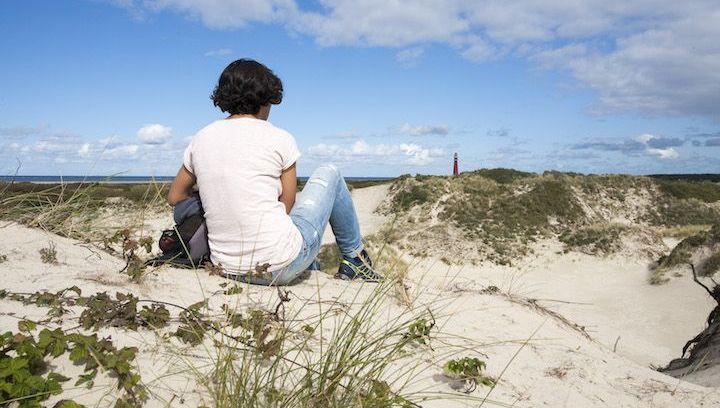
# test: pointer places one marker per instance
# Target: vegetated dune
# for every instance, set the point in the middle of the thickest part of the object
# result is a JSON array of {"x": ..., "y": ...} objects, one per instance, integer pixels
[
  {"x": 560, "y": 322},
  {"x": 615, "y": 230},
  {"x": 498, "y": 214}
]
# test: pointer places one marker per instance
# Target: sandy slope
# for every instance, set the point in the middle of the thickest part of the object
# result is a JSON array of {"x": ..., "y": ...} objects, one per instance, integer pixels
[
  {"x": 559, "y": 367},
  {"x": 610, "y": 297}
]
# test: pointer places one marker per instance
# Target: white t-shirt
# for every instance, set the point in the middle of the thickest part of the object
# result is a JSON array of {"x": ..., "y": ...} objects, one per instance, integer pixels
[{"x": 238, "y": 163}]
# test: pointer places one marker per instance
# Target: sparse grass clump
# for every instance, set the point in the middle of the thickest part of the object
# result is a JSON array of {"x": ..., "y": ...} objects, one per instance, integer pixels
[
  {"x": 594, "y": 240},
  {"x": 49, "y": 254},
  {"x": 684, "y": 231},
  {"x": 70, "y": 210},
  {"x": 360, "y": 364},
  {"x": 509, "y": 217},
  {"x": 502, "y": 176},
  {"x": 410, "y": 192}
]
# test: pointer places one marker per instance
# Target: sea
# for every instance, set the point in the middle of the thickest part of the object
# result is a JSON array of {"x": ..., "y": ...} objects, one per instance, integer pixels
[{"x": 129, "y": 179}]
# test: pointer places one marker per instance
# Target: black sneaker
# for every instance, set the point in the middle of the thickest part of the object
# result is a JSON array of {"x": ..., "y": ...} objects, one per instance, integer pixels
[{"x": 358, "y": 267}]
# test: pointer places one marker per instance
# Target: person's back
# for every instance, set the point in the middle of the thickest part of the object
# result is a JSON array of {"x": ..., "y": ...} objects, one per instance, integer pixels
[
  {"x": 245, "y": 171},
  {"x": 238, "y": 163}
]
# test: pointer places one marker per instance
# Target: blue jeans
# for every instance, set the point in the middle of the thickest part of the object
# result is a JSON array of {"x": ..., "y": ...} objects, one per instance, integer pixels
[{"x": 324, "y": 199}]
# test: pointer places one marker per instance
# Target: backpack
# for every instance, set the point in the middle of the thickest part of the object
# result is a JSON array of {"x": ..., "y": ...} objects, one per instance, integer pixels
[{"x": 185, "y": 245}]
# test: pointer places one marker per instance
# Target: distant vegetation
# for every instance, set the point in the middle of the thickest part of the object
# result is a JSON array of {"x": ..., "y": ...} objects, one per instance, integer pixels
[
  {"x": 704, "y": 190},
  {"x": 501, "y": 212},
  {"x": 134, "y": 192}
]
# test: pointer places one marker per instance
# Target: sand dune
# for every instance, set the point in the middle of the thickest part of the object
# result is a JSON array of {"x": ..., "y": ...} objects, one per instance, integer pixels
[{"x": 556, "y": 365}]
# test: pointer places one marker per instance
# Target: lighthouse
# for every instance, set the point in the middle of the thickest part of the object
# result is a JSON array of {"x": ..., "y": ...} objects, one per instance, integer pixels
[{"x": 455, "y": 165}]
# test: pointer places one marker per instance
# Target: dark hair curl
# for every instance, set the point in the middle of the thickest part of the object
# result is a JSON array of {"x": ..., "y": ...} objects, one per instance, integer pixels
[{"x": 244, "y": 86}]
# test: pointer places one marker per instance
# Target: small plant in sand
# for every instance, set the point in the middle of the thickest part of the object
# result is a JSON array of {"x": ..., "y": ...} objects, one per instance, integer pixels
[
  {"x": 419, "y": 331},
  {"x": 468, "y": 370},
  {"x": 229, "y": 289},
  {"x": 3, "y": 258},
  {"x": 101, "y": 310},
  {"x": 49, "y": 254},
  {"x": 134, "y": 266}
]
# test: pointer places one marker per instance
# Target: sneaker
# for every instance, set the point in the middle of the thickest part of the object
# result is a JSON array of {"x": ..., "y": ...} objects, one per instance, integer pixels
[{"x": 361, "y": 266}]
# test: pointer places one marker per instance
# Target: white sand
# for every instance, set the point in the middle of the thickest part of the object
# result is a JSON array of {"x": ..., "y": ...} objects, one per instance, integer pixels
[{"x": 558, "y": 368}]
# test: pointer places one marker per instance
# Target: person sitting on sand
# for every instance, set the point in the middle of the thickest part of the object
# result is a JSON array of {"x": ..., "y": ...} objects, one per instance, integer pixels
[{"x": 245, "y": 172}]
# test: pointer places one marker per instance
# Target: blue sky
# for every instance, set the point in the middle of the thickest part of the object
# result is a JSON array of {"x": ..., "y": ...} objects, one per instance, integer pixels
[{"x": 91, "y": 87}]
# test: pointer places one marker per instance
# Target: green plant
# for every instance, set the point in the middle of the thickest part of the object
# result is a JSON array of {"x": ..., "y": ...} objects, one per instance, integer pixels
[
  {"x": 3, "y": 258},
  {"x": 134, "y": 266},
  {"x": 232, "y": 290},
  {"x": 419, "y": 331},
  {"x": 468, "y": 370},
  {"x": 26, "y": 377},
  {"x": 49, "y": 254},
  {"x": 594, "y": 240},
  {"x": 502, "y": 176},
  {"x": 704, "y": 191},
  {"x": 101, "y": 311},
  {"x": 193, "y": 324},
  {"x": 278, "y": 362}
]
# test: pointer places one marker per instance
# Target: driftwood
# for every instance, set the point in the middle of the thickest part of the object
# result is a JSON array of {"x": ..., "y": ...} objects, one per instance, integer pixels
[{"x": 704, "y": 349}]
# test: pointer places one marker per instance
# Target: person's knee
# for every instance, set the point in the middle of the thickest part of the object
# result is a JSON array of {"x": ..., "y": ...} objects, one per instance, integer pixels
[
  {"x": 329, "y": 169},
  {"x": 325, "y": 175}
]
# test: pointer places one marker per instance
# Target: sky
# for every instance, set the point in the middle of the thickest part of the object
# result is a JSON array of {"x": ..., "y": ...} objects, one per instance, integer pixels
[{"x": 377, "y": 87}]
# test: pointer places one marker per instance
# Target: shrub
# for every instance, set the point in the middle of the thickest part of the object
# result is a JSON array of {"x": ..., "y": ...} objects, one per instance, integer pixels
[
  {"x": 594, "y": 240},
  {"x": 502, "y": 176},
  {"x": 704, "y": 191}
]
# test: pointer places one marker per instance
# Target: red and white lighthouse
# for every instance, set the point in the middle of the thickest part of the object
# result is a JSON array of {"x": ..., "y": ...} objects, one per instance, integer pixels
[{"x": 455, "y": 165}]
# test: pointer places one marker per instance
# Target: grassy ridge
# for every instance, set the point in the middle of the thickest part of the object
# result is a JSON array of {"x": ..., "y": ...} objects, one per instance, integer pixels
[{"x": 503, "y": 210}]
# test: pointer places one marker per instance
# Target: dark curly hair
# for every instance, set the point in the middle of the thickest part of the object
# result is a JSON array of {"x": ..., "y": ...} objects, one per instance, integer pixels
[{"x": 244, "y": 86}]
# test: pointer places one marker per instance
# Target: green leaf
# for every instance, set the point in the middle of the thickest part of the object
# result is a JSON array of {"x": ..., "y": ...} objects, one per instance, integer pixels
[
  {"x": 17, "y": 364},
  {"x": 234, "y": 290},
  {"x": 26, "y": 325},
  {"x": 78, "y": 355},
  {"x": 67, "y": 404},
  {"x": 58, "y": 377}
]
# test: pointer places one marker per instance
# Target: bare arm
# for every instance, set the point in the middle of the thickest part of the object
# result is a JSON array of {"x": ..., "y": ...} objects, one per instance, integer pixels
[
  {"x": 181, "y": 187},
  {"x": 288, "y": 180}
]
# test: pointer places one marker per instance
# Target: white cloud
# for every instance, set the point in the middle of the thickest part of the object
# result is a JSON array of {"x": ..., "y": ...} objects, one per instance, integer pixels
[
  {"x": 668, "y": 153},
  {"x": 220, "y": 13},
  {"x": 84, "y": 150},
  {"x": 154, "y": 134},
  {"x": 221, "y": 52},
  {"x": 423, "y": 130},
  {"x": 409, "y": 57},
  {"x": 653, "y": 56},
  {"x": 408, "y": 153},
  {"x": 419, "y": 155}
]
